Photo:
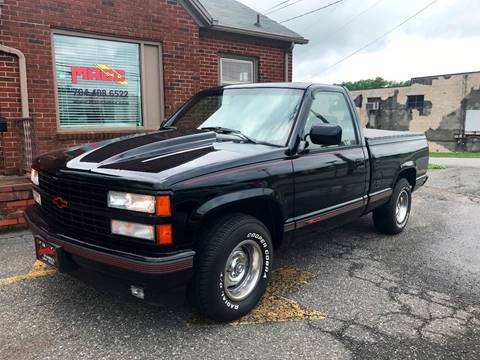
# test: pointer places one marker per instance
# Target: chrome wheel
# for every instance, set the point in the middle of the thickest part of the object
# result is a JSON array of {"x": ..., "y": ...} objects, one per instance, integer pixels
[
  {"x": 242, "y": 270},
  {"x": 401, "y": 212}
]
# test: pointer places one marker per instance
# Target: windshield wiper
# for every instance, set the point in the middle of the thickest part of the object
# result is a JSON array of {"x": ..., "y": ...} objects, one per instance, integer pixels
[{"x": 224, "y": 130}]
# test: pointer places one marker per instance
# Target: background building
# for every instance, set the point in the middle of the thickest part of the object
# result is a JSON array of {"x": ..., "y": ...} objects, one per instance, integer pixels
[
  {"x": 445, "y": 107},
  {"x": 77, "y": 71}
]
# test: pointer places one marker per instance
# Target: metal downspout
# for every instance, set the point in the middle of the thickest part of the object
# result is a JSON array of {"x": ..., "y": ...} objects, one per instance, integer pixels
[
  {"x": 287, "y": 62},
  {"x": 26, "y": 124},
  {"x": 22, "y": 68}
]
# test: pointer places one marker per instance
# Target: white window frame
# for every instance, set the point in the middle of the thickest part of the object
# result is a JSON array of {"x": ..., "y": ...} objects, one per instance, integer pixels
[
  {"x": 237, "y": 59},
  {"x": 148, "y": 124}
]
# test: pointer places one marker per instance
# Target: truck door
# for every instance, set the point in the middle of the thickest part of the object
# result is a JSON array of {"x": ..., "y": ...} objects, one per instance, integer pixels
[{"x": 330, "y": 180}]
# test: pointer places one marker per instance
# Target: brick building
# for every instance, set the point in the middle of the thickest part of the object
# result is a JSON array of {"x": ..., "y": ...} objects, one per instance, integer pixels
[
  {"x": 76, "y": 71},
  {"x": 445, "y": 107}
]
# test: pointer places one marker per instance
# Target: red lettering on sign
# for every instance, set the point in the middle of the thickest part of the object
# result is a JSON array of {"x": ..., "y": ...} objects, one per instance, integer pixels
[
  {"x": 107, "y": 75},
  {"x": 99, "y": 73},
  {"x": 119, "y": 75},
  {"x": 78, "y": 71},
  {"x": 96, "y": 73}
]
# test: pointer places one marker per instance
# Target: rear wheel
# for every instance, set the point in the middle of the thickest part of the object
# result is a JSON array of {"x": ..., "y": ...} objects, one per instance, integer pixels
[
  {"x": 392, "y": 217},
  {"x": 233, "y": 264}
]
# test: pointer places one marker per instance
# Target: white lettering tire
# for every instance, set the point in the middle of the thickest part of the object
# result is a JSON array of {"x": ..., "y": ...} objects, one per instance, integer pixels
[{"x": 232, "y": 267}]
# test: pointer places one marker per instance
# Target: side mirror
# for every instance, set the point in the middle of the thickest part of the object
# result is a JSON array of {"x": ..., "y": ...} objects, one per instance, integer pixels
[{"x": 326, "y": 134}]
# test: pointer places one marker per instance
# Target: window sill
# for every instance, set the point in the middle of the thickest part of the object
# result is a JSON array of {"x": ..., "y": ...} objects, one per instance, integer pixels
[{"x": 97, "y": 134}]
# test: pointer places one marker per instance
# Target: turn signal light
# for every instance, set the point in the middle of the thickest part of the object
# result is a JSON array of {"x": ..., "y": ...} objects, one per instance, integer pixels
[
  {"x": 164, "y": 234},
  {"x": 162, "y": 206}
]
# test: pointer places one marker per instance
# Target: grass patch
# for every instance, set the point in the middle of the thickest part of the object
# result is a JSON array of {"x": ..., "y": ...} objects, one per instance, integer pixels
[
  {"x": 455, "y": 154},
  {"x": 437, "y": 166}
]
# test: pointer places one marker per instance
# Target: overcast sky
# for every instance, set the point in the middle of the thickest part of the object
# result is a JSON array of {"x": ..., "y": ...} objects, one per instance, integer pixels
[{"x": 445, "y": 38}]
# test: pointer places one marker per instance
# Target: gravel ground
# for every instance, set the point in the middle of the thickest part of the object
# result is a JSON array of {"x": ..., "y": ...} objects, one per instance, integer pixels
[{"x": 347, "y": 294}]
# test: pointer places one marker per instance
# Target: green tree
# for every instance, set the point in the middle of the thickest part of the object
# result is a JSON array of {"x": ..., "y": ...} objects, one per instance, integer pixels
[{"x": 378, "y": 82}]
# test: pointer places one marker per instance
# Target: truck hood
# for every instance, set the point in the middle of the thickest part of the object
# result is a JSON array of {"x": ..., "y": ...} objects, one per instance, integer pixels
[{"x": 160, "y": 158}]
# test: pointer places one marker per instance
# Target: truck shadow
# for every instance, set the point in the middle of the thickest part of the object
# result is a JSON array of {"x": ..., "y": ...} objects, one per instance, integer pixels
[{"x": 291, "y": 273}]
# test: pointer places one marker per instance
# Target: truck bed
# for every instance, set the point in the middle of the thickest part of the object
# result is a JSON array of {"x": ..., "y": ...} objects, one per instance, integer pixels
[
  {"x": 375, "y": 135},
  {"x": 393, "y": 151}
]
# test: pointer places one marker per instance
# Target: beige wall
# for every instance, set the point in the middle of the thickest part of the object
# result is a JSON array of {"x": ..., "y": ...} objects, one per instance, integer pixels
[{"x": 445, "y": 93}]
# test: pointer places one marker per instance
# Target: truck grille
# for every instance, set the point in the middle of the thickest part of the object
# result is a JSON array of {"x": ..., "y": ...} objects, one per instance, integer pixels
[{"x": 82, "y": 210}]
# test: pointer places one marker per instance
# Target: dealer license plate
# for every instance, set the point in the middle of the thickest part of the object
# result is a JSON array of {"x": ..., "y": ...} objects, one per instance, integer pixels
[{"x": 46, "y": 252}]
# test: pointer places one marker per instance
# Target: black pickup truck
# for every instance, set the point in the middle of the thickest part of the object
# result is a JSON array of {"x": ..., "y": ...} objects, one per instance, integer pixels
[{"x": 198, "y": 208}]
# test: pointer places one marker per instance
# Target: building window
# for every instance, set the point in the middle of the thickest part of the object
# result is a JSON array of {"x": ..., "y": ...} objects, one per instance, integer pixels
[
  {"x": 415, "y": 101},
  {"x": 373, "y": 104},
  {"x": 237, "y": 70},
  {"x": 100, "y": 83},
  {"x": 374, "y": 100}
]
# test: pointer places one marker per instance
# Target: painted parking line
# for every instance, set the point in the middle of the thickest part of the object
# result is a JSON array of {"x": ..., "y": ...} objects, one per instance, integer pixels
[{"x": 38, "y": 270}]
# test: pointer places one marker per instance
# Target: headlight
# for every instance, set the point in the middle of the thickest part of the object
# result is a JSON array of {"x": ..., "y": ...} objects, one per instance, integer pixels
[
  {"x": 34, "y": 177},
  {"x": 159, "y": 205},
  {"x": 132, "y": 202},
  {"x": 135, "y": 230}
]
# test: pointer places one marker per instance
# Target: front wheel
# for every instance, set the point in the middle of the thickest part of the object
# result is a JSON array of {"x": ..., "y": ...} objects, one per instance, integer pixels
[
  {"x": 233, "y": 265},
  {"x": 392, "y": 217}
]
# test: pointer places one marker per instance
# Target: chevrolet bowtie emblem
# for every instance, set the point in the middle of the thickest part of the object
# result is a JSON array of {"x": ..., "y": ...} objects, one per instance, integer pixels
[{"x": 59, "y": 202}]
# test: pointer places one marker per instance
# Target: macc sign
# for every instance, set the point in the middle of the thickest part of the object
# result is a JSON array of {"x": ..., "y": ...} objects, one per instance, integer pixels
[{"x": 99, "y": 73}]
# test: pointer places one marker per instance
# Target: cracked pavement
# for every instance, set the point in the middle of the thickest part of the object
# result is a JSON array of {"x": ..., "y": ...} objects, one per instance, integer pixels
[{"x": 350, "y": 293}]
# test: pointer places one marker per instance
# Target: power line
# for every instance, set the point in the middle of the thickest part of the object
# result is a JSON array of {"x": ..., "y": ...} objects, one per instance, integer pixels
[
  {"x": 352, "y": 19},
  {"x": 343, "y": 26},
  {"x": 381, "y": 36},
  {"x": 275, "y": 6},
  {"x": 283, "y": 7},
  {"x": 315, "y": 21},
  {"x": 311, "y": 12}
]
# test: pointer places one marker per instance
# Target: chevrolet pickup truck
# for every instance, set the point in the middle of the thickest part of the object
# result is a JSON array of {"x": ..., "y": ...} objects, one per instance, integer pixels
[{"x": 198, "y": 209}]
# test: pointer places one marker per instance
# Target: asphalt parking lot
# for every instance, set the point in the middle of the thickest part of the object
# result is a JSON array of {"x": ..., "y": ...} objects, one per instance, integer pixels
[{"x": 347, "y": 294}]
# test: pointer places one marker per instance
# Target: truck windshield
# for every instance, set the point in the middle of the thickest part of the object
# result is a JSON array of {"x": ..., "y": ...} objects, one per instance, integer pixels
[{"x": 264, "y": 115}]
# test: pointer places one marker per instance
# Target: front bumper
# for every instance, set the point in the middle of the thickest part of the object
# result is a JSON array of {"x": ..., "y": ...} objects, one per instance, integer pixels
[{"x": 157, "y": 275}]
